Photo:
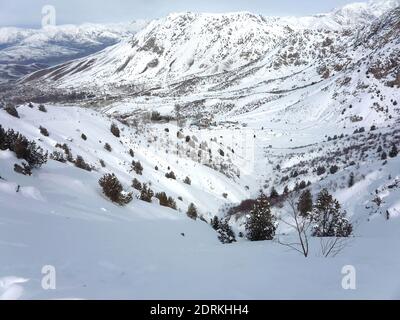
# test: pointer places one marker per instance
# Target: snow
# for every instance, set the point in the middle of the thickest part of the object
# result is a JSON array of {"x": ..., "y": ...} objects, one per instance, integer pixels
[
  {"x": 100, "y": 250},
  {"x": 264, "y": 116}
]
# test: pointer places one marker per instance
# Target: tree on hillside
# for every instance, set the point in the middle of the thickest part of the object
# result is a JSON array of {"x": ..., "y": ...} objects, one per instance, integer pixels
[
  {"x": 192, "y": 211},
  {"x": 225, "y": 232},
  {"x": 261, "y": 225},
  {"x": 115, "y": 130},
  {"x": 305, "y": 203},
  {"x": 113, "y": 190},
  {"x": 393, "y": 151},
  {"x": 328, "y": 218}
]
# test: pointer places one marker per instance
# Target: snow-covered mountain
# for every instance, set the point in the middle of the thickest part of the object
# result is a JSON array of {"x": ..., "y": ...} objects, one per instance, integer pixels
[{"x": 21, "y": 50}]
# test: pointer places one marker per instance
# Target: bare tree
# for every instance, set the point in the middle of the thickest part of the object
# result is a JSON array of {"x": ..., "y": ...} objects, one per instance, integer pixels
[
  {"x": 331, "y": 246},
  {"x": 300, "y": 224}
]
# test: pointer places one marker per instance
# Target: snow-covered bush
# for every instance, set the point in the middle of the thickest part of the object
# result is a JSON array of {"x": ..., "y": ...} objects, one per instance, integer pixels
[{"x": 113, "y": 190}]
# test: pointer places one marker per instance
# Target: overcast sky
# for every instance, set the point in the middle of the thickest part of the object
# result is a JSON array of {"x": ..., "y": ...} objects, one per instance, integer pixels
[{"x": 28, "y": 12}]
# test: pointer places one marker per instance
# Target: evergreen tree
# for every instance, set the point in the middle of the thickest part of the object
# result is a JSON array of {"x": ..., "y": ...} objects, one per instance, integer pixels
[
  {"x": 136, "y": 184},
  {"x": 393, "y": 151},
  {"x": 215, "y": 223},
  {"x": 112, "y": 188},
  {"x": 192, "y": 211},
  {"x": 305, "y": 203},
  {"x": 225, "y": 232},
  {"x": 137, "y": 167},
  {"x": 328, "y": 218},
  {"x": 146, "y": 193},
  {"x": 115, "y": 130},
  {"x": 351, "y": 180},
  {"x": 261, "y": 224},
  {"x": 274, "y": 194}
]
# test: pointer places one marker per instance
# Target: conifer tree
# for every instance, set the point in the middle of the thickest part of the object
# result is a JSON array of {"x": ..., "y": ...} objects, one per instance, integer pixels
[
  {"x": 261, "y": 225},
  {"x": 215, "y": 223},
  {"x": 305, "y": 203},
  {"x": 225, "y": 233},
  {"x": 393, "y": 151},
  {"x": 328, "y": 218},
  {"x": 192, "y": 211}
]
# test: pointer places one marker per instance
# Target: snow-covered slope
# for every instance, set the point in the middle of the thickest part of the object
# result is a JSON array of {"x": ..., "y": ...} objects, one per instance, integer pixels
[{"x": 58, "y": 216}]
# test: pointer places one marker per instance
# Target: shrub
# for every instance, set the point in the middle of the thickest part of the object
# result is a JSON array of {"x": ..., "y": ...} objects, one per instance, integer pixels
[
  {"x": 320, "y": 170},
  {"x": 146, "y": 193},
  {"x": 11, "y": 110},
  {"x": 274, "y": 194},
  {"x": 102, "y": 163},
  {"x": 131, "y": 153},
  {"x": 44, "y": 131},
  {"x": 351, "y": 180},
  {"x": 58, "y": 156},
  {"x": 42, "y": 108},
  {"x": 393, "y": 151},
  {"x": 80, "y": 163},
  {"x": 187, "y": 181},
  {"x": 67, "y": 151},
  {"x": 137, "y": 167},
  {"x": 28, "y": 150},
  {"x": 136, "y": 184},
  {"x": 166, "y": 201},
  {"x": 115, "y": 130},
  {"x": 192, "y": 212},
  {"x": 333, "y": 169},
  {"x": 112, "y": 189},
  {"x": 155, "y": 116},
  {"x": 25, "y": 169},
  {"x": 215, "y": 223},
  {"x": 107, "y": 147},
  {"x": 170, "y": 175}
]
